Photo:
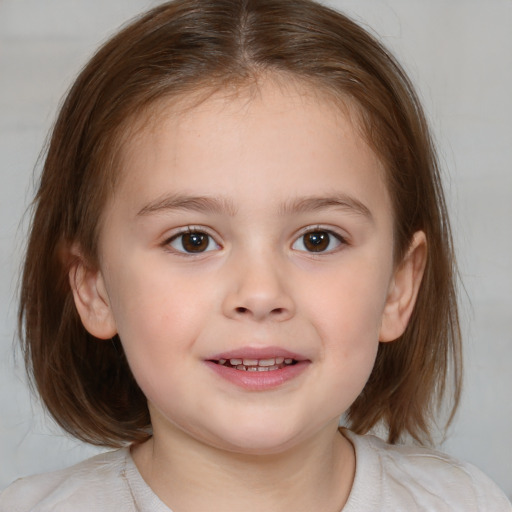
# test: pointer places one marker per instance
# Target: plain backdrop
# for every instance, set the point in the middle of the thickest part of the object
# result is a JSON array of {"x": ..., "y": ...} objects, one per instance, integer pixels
[{"x": 457, "y": 52}]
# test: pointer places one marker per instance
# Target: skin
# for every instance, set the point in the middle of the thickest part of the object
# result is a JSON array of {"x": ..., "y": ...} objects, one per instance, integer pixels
[{"x": 258, "y": 159}]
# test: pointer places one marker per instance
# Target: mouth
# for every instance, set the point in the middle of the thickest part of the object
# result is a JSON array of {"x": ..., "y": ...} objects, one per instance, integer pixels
[
  {"x": 258, "y": 369},
  {"x": 257, "y": 365}
]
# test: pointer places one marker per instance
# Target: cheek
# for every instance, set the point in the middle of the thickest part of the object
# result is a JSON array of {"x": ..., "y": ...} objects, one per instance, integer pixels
[
  {"x": 151, "y": 300},
  {"x": 350, "y": 334},
  {"x": 347, "y": 316},
  {"x": 159, "y": 318},
  {"x": 349, "y": 304}
]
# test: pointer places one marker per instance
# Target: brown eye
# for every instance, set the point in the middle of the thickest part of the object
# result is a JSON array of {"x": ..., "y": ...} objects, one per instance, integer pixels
[
  {"x": 317, "y": 241},
  {"x": 193, "y": 242}
]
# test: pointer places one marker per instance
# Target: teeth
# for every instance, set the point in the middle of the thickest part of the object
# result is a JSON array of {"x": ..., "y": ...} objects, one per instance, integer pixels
[{"x": 253, "y": 365}]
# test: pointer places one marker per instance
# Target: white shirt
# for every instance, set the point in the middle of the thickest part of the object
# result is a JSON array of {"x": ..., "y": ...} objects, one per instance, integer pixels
[{"x": 388, "y": 478}]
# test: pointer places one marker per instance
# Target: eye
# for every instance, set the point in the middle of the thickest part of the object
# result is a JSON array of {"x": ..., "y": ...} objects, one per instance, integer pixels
[
  {"x": 318, "y": 240},
  {"x": 193, "y": 242}
]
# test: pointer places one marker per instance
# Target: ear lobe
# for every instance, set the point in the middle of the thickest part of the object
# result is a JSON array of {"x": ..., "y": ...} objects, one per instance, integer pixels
[
  {"x": 91, "y": 299},
  {"x": 404, "y": 289}
]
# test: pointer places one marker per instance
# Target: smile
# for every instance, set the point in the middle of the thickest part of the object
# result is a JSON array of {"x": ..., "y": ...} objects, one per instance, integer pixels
[
  {"x": 258, "y": 369},
  {"x": 257, "y": 365}
]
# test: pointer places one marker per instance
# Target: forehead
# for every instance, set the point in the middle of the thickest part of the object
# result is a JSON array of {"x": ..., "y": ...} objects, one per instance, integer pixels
[
  {"x": 260, "y": 100},
  {"x": 274, "y": 134}
]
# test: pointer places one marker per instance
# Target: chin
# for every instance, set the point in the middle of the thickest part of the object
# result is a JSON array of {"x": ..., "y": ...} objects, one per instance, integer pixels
[{"x": 259, "y": 439}]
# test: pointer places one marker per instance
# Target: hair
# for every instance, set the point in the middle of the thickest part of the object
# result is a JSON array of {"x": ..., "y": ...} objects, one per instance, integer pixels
[{"x": 191, "y": 45}]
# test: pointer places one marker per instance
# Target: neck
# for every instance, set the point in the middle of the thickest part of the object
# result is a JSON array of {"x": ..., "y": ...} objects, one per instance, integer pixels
[{"x": 189, "y": 476}]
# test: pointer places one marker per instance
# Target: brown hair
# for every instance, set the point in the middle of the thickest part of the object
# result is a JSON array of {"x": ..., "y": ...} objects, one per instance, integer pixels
[{"x": 189, "y": 45}]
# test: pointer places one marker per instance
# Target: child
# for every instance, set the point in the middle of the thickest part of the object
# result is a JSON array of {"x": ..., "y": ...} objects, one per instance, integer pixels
[{"x": 240, "y": 235}]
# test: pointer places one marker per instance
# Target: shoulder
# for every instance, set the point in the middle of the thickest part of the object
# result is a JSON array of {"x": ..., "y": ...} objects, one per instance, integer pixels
[
  {"x": 413, "y": 478},
  {"x": 93, "y": 484}
]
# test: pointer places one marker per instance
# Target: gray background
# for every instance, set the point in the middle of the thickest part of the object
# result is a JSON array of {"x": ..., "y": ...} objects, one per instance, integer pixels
[{"x": 458, "y": 52}]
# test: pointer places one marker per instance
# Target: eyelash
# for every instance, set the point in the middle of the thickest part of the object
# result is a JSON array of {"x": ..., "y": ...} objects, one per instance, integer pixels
[
  {"x": 201, "y": 234},
  {"x": 331, "y": 236},
  {"x": 326, "y": 236}
]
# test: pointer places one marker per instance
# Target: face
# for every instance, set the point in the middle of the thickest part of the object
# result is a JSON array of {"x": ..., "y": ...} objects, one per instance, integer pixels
[{"x": 246, "y": 262}]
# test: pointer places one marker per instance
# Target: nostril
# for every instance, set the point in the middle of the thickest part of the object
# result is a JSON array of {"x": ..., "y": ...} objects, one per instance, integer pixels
[{"x": 276, "y": 311}]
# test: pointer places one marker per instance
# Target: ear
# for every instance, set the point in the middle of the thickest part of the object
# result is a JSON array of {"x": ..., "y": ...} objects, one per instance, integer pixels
[
  {"x": 91, "y": 298},
  {"x": 403, "y": 289}
]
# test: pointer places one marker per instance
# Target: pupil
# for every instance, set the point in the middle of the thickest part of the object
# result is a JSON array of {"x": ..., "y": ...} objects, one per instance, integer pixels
[
  {"x": 316, "y": 241},
  {"x": 195, "y": 242}
]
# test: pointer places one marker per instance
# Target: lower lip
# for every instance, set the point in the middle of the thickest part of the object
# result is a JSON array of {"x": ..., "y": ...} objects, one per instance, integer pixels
[{"x": 259, "y": 381}]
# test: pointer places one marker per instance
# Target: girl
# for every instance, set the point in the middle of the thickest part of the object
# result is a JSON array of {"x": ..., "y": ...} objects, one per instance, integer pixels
[{"x": 240, "y": 235}]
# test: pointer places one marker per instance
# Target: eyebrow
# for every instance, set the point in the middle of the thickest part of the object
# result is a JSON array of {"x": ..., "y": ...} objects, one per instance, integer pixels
[
  {"x": 338, "y": 201},
  {"x": 219, "y": 205},
  {"x": 201, "y": 204}
]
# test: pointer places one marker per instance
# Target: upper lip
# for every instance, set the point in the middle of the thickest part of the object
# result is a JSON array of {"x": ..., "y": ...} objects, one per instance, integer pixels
[{"x": 257, "y": 353}]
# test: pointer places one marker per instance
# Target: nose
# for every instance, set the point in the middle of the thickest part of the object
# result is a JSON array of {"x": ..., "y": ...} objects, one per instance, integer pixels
[{"x": 257, "y": 290}]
